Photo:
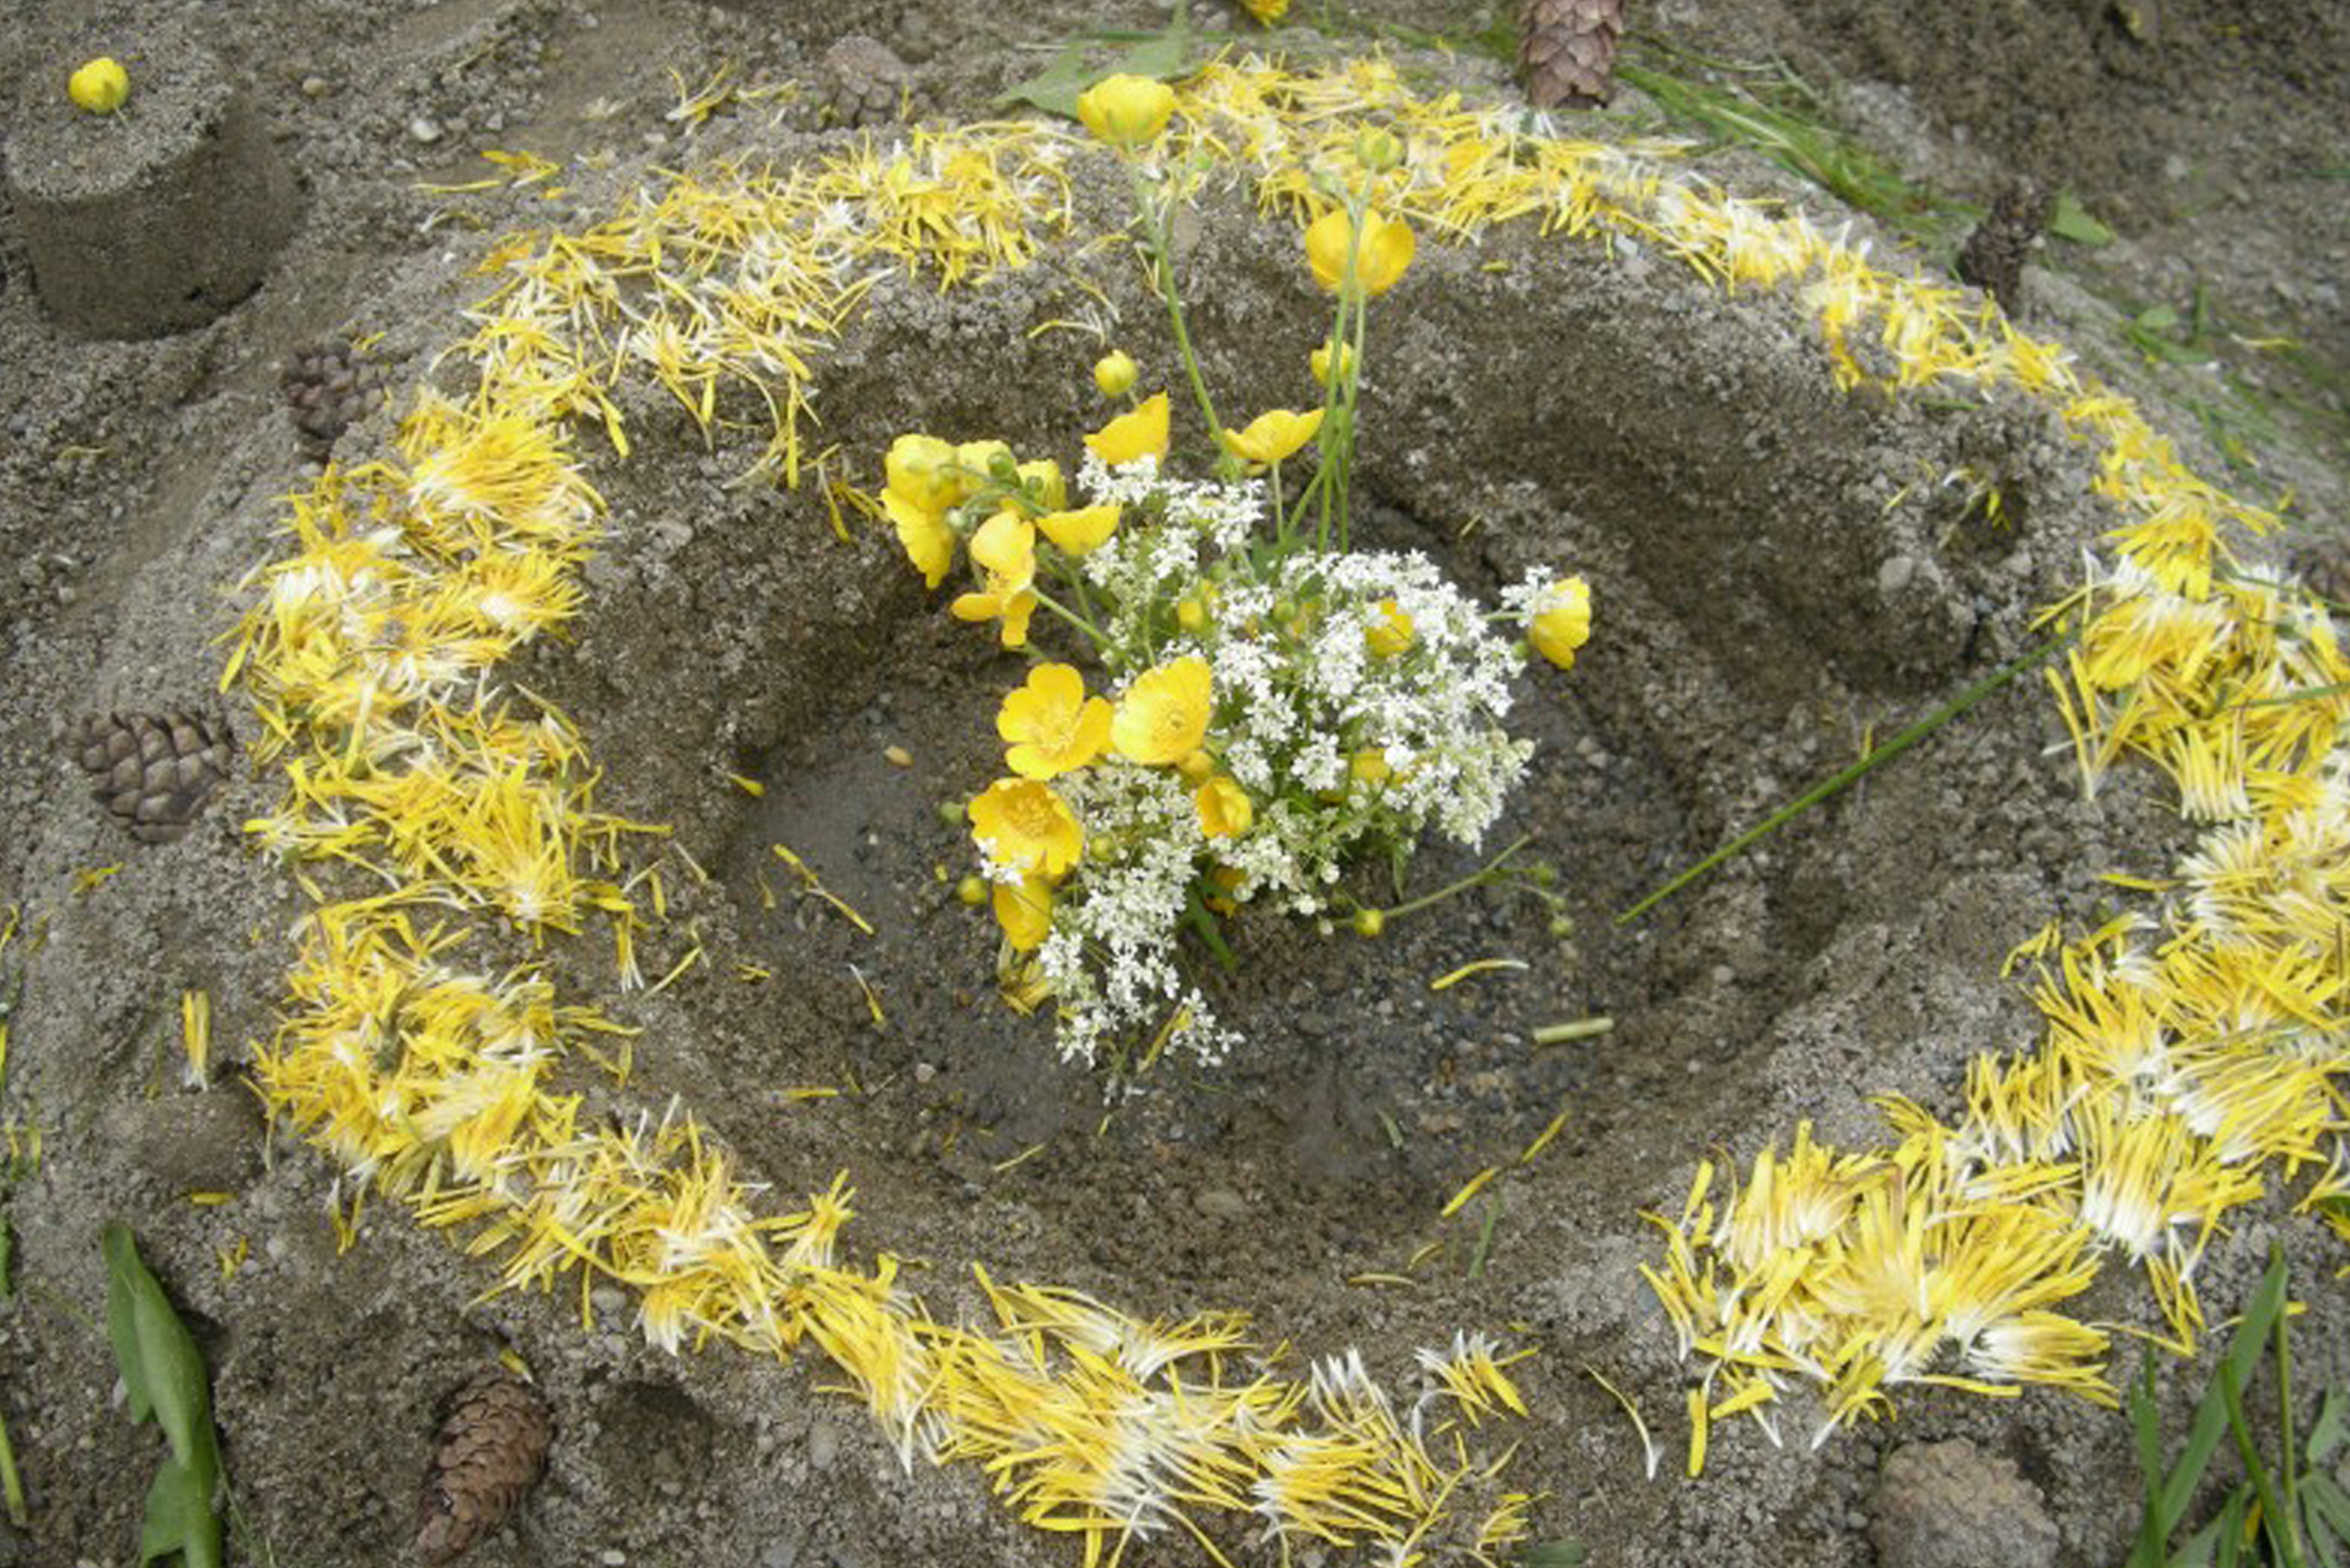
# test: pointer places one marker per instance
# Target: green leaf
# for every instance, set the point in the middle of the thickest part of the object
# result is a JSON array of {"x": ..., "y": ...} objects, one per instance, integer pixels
[
  {"x": 1055, "y": 88},
  {"x": 180, "y": 1517},
  {"x": 171, "y": 1368},
  {"x": 2327, "y": 1497},
  {"x": 2070, "y": 221},
  {"x": 122, "y": 1260},
  {"x": 1555, "y": 1554},
  {"x": 2231, "y": 1528},
  {"x": 2326, "y": 1435},
  {"x": 1163, "y": 56}
]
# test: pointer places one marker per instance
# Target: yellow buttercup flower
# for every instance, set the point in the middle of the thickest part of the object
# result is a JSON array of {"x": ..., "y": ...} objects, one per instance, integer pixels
[
  {"x": 1370, "y": 767},
  {"x": 99, "y": 86},
  {"x": 1125, "y": 110},
  {"x": 1024, "y": 824},
  {"x": 1051, "y": 490},
  {"x": 1384, "y": 252},
  {"x": 1005, "y": 549},
  {"x": 1273, "y": 437},
  {"x": 1025, "y": 910},
  {"x": 920, "y": 469},
  {"x": 1224, "y": 809},
  {"x": 1114, "y": 373},
  {"x": 1053, "y": 728},
  {"x": 929, "y": 544},
  {"x": 1562, "y": 621},
  {"x": 1164, "y": 715},
  {"x": 1392, "y": 633},
  {"x": 976, "y": 461},
  {"x": 1266, "y": 11},
  {"x": 1079, "y": 531},
  {"x": 1136, "y": 435}
]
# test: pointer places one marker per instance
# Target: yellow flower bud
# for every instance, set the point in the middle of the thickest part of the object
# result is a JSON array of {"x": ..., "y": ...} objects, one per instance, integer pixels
[
  {"x": 1190, "y": 614},
  {"x": 1379, "y": 149},
  {"x": 1562, "y": 621},
  {"x": 1370, "y": 922},
  {"x": 1126, "y": 110},
  {"x": 1224, "y": 808},
  {"x": 1025, "y": 912},
  {"x": 100, "y": 85},
  {"x": 1320, "y": 360},
  {"x": 1370, "y": 767},
  {"x": 972, "y": 890},
  {"x": 1196, "y": 766},
  {"x": 1114, "y": 373}
]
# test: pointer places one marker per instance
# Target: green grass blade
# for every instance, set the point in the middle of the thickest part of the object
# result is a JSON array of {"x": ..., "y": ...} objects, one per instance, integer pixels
[
  {"x": 2272, "y": 1506},
  {"x": 2146, "y": 1427},
  {"x": 1851, "y": 775},
  {"x": 2288, "y": 1468},
  {"x": 2211, "y": 1416},
  {"x": 2229, "y": 1529}
]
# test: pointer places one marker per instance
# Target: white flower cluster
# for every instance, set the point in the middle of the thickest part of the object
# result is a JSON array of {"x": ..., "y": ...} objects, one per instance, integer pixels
[
  {"x": 1110, "y": 958},
  {"x": 1357, "y": 699},
  {"x": 1349, "y": 745}
]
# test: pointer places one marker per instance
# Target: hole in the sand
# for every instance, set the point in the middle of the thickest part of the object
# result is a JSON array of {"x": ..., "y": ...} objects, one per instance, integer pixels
[{"x": 1764, "y": 612}]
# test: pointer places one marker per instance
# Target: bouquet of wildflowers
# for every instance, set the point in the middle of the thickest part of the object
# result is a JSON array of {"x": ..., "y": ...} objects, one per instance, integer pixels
[{"x": 1267, "y": 703}]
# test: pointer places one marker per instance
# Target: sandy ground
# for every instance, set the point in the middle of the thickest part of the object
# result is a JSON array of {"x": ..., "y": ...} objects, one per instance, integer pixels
[{"x": 1764, "y": 608}]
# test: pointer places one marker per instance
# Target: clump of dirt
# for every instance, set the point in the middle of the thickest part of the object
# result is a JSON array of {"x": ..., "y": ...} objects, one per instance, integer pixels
[{"x": 1781, "y": 573}]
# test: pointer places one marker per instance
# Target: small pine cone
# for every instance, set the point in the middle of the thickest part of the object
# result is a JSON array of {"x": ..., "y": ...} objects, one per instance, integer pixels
[
  {"x": 492, "y": 1447},
  {"x": 329, "y": 387},
  {"x": 1567, "y": 51},
  {"x": 869, "y": 85},
  {"x": 1993, "y": 256},
  {"x": 154, "y": 772}
]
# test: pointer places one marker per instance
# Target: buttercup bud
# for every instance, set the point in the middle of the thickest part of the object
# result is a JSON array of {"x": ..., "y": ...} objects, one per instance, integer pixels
[{"x": 101, "y": 86}]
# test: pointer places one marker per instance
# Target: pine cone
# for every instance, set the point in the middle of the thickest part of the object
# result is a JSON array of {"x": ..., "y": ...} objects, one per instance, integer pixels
[
  {"x": 154, "y": 772},
  {"x": 1993, "y": 256},
  {"x": 492, "y": 1445},
  {"x": 1567, "y": 51},
  {"x": 329, "y": 387},
  {"x": 871, "y": 86}
]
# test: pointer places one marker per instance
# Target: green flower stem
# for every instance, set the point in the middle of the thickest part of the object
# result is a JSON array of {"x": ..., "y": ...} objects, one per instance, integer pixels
[
  {"x": 12, "y": 1484},
  {"x": 1160, "y": 215},
  {"x": 1100, "y": 639},
  {"x": 1883, "y": 754},
  {"x": 1483, "y": 874}
]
